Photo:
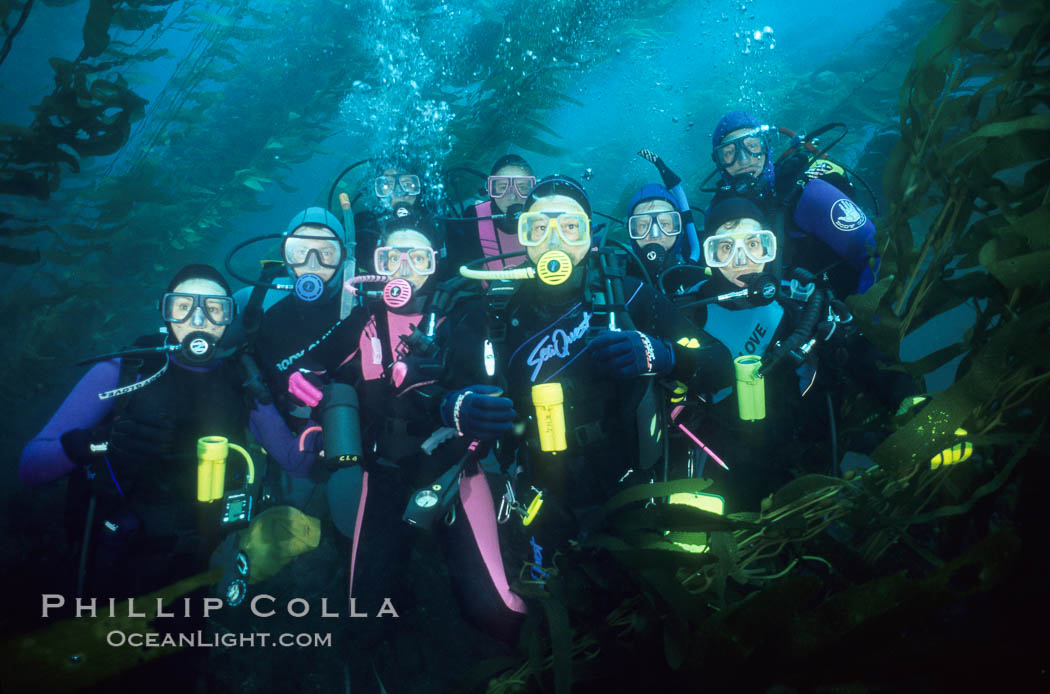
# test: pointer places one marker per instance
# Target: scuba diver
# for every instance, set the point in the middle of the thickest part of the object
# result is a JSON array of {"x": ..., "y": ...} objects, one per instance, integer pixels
[
  {"x": 127, "y": 435},
  {"x": 284, "y": 337},
  {"x": 395, "y": 365},
  {"x": 579, "y": 353},
  {"x": 662, "y": 241},
  {"x": 489, "y": 228},
  {"x": 818, "y": 226},
  {"x": 791, "y": 343},
  {"x": 399, "y": 189}
]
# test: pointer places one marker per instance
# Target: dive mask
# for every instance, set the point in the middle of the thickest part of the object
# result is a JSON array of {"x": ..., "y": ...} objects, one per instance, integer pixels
[
  {"x": 499, "y": 186},
  {"x": 312, "y": 251},
  {"x": 640, "y": 226},
  {"x": 196, "y": 309},
  {"x": 389, "y": 260},
  {"x": 406, "y": 184},
  {"x": 736, "y": 248},
  {"x": 743, "y": 148},
  {"x": 534, "y": 228}
]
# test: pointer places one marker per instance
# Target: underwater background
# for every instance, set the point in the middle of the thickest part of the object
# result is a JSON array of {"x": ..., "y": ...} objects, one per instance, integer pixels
[{"x": 138, "y": 136}]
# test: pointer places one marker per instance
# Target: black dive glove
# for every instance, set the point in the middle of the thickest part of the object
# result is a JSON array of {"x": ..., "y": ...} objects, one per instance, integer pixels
[
  {"x": 630, "y": 354},
  {"x": 479, "y": 411},
  {"x": 84, "y": 446},
  {"x": 670, "y": 178},
  {"x": 142, "y": 438}
]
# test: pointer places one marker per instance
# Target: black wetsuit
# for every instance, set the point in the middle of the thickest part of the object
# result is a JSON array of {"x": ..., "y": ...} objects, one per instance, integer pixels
[
  {"x": 155, "y": 520},
  {"x": 290, "y": 332},
  {"x": 793, "y": 436},
  {"x": 546, "y": 341},
  {"x": 400, "y": 386}
]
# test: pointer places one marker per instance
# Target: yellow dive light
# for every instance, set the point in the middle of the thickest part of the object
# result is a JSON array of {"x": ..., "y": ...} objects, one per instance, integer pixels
[
  {"x": 212, "y": 452},
  {"x": 750, "y": 388},
  {"x": 550, "y": 416}
]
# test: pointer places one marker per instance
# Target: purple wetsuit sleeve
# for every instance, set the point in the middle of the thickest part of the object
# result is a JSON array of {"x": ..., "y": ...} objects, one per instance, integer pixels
[
  {"x": 269, "y": 428},
  {"x": 43, "y": 458}
]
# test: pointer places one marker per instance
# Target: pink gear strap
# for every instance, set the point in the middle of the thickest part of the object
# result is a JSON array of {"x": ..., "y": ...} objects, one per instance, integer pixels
[{"x": 494, "y": 242}]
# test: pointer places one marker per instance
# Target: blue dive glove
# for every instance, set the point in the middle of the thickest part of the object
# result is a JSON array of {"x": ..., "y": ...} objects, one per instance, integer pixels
[
  {"x": 629, "y": 354},
  {"x": 479, "y": 412}
]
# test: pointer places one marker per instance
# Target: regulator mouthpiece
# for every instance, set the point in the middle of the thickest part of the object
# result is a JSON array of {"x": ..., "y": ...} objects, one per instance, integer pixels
[
  {"x": 309, "y": 287},
  {"x": 554, "y": 267},
  {"x": 653, "y": 255},
  {"x": 198, "y": 347},
  {"x": 397, "y": 293}
]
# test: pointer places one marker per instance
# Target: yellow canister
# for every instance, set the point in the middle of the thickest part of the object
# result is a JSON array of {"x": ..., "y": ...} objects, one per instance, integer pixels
[
  {"x": 550, "y": 416},
  {"x": 750, "y": 388},
  {"x": 212, "y": 452}
]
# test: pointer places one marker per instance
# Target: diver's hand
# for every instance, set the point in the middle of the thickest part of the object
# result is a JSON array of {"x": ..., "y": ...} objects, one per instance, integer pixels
[
  {"x": 305, "y": 386},
  {"x": 137, "y": 437},
  {"x": 630, "y": 354},
  {"x": 649, "y": 156},
  {"x": 670, "y": 178},
  {"x": 83, "y": 446},
  {"x": 479, "y": 412}
]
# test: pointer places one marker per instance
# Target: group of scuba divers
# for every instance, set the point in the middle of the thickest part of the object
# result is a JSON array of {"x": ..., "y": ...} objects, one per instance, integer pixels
[{"x": 494, "y": 377}]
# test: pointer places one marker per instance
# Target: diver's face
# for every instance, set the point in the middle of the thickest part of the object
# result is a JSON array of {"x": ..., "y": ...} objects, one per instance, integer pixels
[
  {"x": 513, "y": 196},
  {"x": 662, "y": 239},
  {"x": 747, "y": 162},
  {"x": 327, "y": 250},
  {"x": 558, "y": 203},
  {"x": 741, "y": 264},
  {"x": 407, "y": 240},
  {"x": 398, "y": 197},
  {"x": 197, "y": 286}
]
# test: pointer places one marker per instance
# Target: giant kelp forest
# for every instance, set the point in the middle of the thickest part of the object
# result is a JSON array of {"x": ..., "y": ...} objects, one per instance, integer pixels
[{"x": 913, "y": 574}]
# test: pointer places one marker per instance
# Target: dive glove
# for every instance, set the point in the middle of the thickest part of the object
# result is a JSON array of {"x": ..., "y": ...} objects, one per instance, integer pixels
[
  {"x": 629, "y": 354},
  {"x": 305, "y": 386},
  {"x": 669, "y": 178},
  {"x": 137, "y": 438},
  {"x": 82, "y": 446},
  {"x": 479, "y": 412}
]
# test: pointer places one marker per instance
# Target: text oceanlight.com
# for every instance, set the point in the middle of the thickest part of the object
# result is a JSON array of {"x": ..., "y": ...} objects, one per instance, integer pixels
[{"x": 199, "y": 639}]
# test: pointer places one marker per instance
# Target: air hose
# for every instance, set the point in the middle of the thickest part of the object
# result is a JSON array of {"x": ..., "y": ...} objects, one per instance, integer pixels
[{"x": 800, "y": 340}]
